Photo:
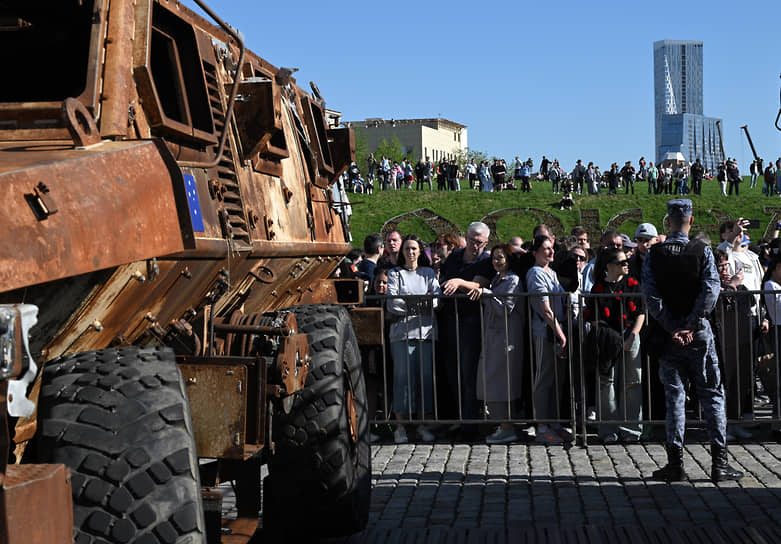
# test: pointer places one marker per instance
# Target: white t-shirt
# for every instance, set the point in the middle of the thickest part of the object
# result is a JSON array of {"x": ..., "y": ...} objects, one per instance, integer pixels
[
  {"x": 752, "y": 269},
  {"x": 773, "y": 301}
]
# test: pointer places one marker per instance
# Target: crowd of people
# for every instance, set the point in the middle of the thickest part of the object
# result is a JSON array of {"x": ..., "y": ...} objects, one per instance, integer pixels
[
  {"x": 477, "y": 332},
  {"x": 671, "y": 177}
]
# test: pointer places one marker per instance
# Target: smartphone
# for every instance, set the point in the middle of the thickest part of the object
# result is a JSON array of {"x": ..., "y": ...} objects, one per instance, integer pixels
[{"x": 753, "y": 224}]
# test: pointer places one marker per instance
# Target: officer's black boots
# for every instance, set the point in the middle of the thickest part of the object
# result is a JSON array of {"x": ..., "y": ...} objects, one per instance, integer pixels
[
  {"x": 721, "y": 470},
  {"x": 673, "y": 471}
]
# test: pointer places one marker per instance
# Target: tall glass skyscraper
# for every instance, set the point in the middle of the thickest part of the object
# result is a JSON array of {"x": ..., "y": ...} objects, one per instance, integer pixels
[{"x": 680, "y": 124}]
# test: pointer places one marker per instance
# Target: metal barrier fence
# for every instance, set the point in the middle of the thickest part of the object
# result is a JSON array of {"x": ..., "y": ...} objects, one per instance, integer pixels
[{"x": 453, "y": 361}]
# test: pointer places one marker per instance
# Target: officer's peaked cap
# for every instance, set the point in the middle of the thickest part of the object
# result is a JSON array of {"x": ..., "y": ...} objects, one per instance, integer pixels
[{"x": 680, "y": 207}]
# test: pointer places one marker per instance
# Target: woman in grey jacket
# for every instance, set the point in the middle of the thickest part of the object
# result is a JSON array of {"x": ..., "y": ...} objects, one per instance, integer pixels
[
  {"x": 412, "y": 335},
  {"x": 500, "y": 370}
]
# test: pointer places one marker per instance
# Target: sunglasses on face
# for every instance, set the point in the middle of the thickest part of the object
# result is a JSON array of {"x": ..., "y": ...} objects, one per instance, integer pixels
[
  {"x": 621, "y": 263},
  {"x": 581, "y": 257}
]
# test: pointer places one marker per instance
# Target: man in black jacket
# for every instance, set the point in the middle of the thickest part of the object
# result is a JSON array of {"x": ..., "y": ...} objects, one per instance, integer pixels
[
  {"x": 697, "y": 172},
  {"x": 733, "y": 177},
  {"x": 578, "y": 175},
  {"x": 628, "y": 177}
]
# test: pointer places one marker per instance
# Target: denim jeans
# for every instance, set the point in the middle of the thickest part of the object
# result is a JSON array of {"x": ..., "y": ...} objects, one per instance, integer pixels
[{"x": 412, "y": 377}]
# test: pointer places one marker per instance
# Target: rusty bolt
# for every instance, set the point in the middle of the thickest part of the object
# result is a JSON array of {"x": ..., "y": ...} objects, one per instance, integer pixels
[
  {"x": 139, "y": 276},
  {"x": 252, "y": 217},
  {"x": 215, "y": 188},
  {"x": 237, "y": 439},
  {"x": 238, "y": 386},
  {"x": 274, "y": 293},
  {"x": 97, "y": 325},
  {"x": 192, "y": 380},
  {"x": 150, "y": 317},
  {"x": 186, "y": 273}
]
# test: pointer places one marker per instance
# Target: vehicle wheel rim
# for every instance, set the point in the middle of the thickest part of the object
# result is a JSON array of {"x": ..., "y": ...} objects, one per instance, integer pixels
[{"x": 352, "y": 417}]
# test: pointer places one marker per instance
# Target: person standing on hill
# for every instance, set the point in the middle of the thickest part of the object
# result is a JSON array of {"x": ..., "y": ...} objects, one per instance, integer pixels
[
  {"x": 423, "y": 174},
  {"x": 653, "y": 178},
  {"x": 697, "y": 172},
  {"x": 452, "y": 176},
  {"x": 754, "y": 171},
  {"x": 578, "y": 175},
  {"x": 442, "y": 172},
  {"x": 770, "y": 179},
  {"x": 628, "y": 177},
  {"x": 733, "y": 177},
  {"x": 470, "y": 170},
  {"x": 544, "y": 166}
]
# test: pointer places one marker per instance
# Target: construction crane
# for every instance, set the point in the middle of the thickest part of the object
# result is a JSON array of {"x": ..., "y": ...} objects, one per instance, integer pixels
[
  {"x": 754, "y": 151},
  {"x": 778, "y": 117}
]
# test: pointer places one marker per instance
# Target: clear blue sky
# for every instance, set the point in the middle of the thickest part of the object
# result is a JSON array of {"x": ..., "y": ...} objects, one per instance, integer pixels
[{"x": 565, "y": 79}]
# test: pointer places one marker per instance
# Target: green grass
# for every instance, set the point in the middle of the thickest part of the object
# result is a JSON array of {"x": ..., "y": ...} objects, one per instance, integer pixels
[{"x": 371, "y": 212}]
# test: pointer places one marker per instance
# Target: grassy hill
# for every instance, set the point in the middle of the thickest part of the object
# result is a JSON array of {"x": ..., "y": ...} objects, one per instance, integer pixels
[{"x": 370, "y": 212}]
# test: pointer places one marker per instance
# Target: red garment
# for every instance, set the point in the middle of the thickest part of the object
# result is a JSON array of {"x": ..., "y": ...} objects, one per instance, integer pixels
[{"x": 611, "y": 309}]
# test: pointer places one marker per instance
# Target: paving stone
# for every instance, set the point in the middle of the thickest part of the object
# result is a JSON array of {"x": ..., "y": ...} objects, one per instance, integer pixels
[{"x": 477, "y": 493}]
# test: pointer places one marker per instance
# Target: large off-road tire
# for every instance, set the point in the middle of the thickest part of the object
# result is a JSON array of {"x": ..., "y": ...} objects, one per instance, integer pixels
[
  {"x": 119, "y": 419},
  {"x": 320, "y": 475}
]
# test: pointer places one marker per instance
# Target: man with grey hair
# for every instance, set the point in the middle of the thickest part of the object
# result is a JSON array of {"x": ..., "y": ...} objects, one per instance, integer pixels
[{"x": 465, "y": 269}]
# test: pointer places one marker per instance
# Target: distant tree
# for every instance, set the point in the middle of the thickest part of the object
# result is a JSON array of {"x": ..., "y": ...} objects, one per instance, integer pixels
[
  {"x": 361, "y": 150},
  {"x": 464, "y": 156},
  {"x": 392, "y": 150}
]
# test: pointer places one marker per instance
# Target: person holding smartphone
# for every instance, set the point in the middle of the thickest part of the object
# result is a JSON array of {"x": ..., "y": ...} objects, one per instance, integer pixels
[{"x": 742, "y": 259}]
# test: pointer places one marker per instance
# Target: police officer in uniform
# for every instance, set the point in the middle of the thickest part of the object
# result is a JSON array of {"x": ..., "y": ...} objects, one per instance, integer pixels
[{"x": 681, "y": 285}]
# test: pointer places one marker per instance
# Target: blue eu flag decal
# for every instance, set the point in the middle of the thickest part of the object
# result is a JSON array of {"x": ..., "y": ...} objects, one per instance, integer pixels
[{"x": 193, "y": 203}]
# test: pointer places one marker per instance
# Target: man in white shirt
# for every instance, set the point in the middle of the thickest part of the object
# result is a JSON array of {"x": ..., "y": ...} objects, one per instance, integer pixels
[
  {"x": 741, "y": 259},
  {"x": 735, "y": 242}
]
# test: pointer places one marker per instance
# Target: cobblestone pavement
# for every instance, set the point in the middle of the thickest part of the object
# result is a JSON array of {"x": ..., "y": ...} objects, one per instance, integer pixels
[
  {"x": 531, "y": 492},
  {"x": 451, "y": 492}
]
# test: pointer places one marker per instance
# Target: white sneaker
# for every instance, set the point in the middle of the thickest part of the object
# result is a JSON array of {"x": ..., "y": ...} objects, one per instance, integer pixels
[
  {"x": 400, "y": 436},
  {"x": 591, "y": 414},
  {"x": 425, "y": 435},
  {"x": 501, "y": 436}
]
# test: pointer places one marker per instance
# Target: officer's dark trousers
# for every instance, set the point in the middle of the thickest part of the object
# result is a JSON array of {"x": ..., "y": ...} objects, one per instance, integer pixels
[{"x": 697, "y": 364}]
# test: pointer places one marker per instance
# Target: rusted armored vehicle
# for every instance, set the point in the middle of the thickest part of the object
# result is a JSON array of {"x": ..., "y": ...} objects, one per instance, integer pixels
[{"x": 168, "y": 208}]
